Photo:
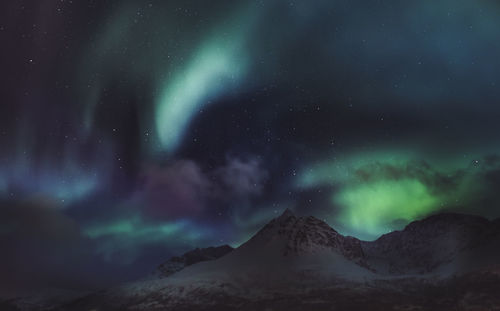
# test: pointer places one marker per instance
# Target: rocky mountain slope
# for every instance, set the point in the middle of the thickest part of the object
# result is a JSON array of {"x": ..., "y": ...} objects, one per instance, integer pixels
[
  {"x": 197, "y": 255},
  {"x": 306, "y": 235}
]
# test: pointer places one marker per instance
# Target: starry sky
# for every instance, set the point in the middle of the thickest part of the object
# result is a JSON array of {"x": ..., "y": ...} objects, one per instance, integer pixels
[{"x": 131, "y": 131}]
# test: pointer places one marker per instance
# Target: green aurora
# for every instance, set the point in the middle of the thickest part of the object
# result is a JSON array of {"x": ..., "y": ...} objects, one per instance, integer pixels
[{"x": 375, "y": 193}]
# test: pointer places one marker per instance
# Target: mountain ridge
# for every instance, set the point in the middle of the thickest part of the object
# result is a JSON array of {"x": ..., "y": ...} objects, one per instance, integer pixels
[
  {"x": 419, "y": 248},
  {"x": 442, "y": 262},
  {"x": 425, "y": 245}
]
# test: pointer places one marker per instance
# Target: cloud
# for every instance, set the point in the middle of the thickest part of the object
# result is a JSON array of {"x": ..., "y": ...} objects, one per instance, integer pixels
[
  {"x": 175, "y": 191},
  {"x": 102, "y": 240},
  {"x": 182, "y": 189},
  {"x": 242, "y": 178}
]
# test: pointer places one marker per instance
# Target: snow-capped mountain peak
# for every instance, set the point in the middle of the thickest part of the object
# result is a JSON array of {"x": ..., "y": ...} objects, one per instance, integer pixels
[{"x": 305, "y": 235}]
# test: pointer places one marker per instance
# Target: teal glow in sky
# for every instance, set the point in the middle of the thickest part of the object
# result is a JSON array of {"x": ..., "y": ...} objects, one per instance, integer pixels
[
  {"x": 186, "y": 74},
  {"x": 218, "y": 65},
  {"x": 134, "y": 228},
  {"x": 127, "y": 237},
  {"x": 66, "y": 183}
]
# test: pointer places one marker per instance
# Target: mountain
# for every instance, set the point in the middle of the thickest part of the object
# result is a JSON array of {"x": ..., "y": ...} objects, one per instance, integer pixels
[
  {"x": 444, "y": 262},
  {"x": 283, "y": 245},
  {"x": 177, "y": 263},
  {"x": 445, "y": 243},
  {"x": 302, "y": 235}
]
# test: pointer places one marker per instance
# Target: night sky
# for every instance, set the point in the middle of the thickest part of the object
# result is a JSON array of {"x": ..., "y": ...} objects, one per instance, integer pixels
[{"x": 131, "y": 131}]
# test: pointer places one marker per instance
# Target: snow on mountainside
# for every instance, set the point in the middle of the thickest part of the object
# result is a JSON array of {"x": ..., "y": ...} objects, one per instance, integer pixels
[
  {"x": 306, "y": 235},
  {"x": 426, "y": 245},
  {"x": 197, "y": 255},
  {"x": 287, "y": 246},
  {"x": 300, "y": 263}
]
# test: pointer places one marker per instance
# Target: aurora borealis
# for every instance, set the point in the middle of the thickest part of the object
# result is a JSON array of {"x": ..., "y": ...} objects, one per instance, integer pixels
[{"x": 134, "y": 130}]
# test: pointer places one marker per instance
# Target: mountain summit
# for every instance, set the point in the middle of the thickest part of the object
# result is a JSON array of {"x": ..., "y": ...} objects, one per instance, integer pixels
[
  {"x": 287, "y": 213},
  {"x": 305, "y": 235}
]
